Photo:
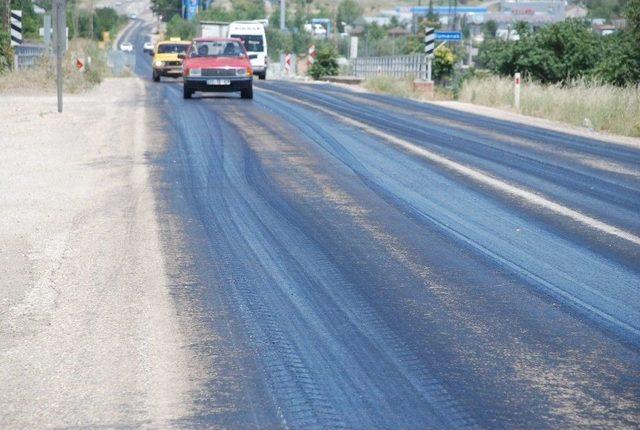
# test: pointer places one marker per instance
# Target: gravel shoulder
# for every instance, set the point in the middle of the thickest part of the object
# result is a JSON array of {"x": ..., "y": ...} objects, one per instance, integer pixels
[{"x": 89, "y": 334}]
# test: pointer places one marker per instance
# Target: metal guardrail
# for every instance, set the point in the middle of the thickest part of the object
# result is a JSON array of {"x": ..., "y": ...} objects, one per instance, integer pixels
[
  {"x": 28, "y": 55},
  {"x": 401, "y": 66}
]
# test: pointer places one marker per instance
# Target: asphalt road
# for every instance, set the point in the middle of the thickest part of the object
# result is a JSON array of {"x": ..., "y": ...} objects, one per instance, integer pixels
[{"x": 362, "y": 261}]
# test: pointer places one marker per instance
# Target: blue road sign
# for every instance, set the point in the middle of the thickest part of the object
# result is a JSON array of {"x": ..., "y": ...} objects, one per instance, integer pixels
[{"x": 448, "y": 35}]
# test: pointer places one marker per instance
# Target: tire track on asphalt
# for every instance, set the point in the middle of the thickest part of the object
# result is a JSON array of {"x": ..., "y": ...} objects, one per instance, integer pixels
[
  {"x": 298, "y": 400},
  {"x": 621, "y": 317},
  {"x": 287, "y": 286}
]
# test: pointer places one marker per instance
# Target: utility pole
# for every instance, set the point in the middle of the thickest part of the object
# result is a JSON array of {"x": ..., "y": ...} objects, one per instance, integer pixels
[
  {"x": 6, "y": 14},
  {"x": 283, "y": 14},
  {"x": 91, "y": 19},
  {"x": 60, "y": 41}
]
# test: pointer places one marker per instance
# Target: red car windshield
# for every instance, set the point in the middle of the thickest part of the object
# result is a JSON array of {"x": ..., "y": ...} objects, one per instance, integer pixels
[{"x": 216, "y": 49}]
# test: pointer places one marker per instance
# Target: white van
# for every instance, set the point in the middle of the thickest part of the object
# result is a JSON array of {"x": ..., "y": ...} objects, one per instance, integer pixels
[{"x": 253, "y": 36}]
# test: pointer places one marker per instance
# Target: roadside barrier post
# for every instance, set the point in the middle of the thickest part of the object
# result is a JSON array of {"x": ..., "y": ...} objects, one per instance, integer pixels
[
  {"x": 516, "y": 92},
  {"x": 429, "y": 48},
  {"x": 16, "y": 27}
]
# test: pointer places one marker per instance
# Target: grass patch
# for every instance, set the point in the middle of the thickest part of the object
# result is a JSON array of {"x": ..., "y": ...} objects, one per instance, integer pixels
[
  {"x": 42, "y": 78},
  {"x": 601, "y": 107},
  {"x": 402, "y": 88}
]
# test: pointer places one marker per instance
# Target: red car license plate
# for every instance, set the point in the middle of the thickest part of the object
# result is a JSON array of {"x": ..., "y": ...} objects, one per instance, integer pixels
[{"x": 218, "y": 82}]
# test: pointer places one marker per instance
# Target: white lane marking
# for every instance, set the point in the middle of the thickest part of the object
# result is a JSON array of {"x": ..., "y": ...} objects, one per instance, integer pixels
[{"x": 477, "y": 175}]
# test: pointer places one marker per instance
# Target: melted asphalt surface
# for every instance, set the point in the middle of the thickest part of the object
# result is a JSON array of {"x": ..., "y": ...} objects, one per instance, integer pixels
[{"x": 344, "y": 282}]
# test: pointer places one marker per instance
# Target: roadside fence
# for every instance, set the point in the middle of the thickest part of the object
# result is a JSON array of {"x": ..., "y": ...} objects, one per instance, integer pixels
[
  {"x": 400, "y": 66},
  {"x": 28, "y": 55}
]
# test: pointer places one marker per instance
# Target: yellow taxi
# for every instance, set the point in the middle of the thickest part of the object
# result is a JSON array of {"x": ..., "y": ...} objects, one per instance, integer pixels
[{"x": 165, "y": 58}]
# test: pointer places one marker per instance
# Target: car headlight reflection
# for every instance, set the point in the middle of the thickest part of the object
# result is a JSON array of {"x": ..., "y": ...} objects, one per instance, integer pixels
[{"x": 159, "y": 63}]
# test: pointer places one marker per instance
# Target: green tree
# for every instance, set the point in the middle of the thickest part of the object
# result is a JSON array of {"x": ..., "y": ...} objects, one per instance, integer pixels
[
  {"x": 105, "y": 19},
  {"x": 278, "y": 42},
  {"x": 6, "y": 53},
  {"x": 374, "y": 32},
  {"x": 248, "y": 9},
  {"x": 523, "y": 29},
  {"x": 632, "y": 13},
  {"x": 178, "y": 27},
  {"x": 217, "y": 14},
  {"x": 606, "y": 9},
  {"x": 489, "y": 29},
  {"x": 166, "y": 8},
  {"x": 348, "y": 12},
  {"x": 431, "y": 15},
  {"x": 301, "y": 40},
  {"x": 620, "y": 64},
  {"x": 556, "y": 53}
]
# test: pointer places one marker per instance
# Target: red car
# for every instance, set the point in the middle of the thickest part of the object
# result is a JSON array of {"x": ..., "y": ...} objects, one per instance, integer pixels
[{"x": 217, "y": 65}]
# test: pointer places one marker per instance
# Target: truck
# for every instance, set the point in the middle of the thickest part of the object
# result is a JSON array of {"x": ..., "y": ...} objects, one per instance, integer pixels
[
  {"x": 251, "y": 33},
  {"x": 212, "y": 29}
]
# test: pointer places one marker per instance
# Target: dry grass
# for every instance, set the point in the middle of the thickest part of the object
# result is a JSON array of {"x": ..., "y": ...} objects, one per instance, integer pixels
[
  {"x": 601, "y": 107},
  {"x": 402, "y": 88},
  {"x": 41, "y": 78}
]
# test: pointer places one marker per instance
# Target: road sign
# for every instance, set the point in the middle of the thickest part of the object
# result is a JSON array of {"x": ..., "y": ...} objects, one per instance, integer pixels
[
  {"x": 311, "y": 58},
  {"x": 16, "y": 27},
  {"x": 429, "y": 41},
  {"x": 448, "y": 35},
  {"x": 287, "y": 64},
  {"x": 516, "y": 94},
  {"x": 353, "y": 51}
]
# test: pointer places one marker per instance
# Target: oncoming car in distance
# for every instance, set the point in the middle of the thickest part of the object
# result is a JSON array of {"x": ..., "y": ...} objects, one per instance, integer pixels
[
  {"x": 217, "y": 65},
  {"x": 166, "y": 60},
  {"x": 148, "y": 47},
  {"x": 126, "y": 47}
]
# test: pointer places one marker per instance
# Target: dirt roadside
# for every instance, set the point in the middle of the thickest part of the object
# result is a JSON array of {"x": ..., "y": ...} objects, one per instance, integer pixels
[{"x": 89, "y": 334}]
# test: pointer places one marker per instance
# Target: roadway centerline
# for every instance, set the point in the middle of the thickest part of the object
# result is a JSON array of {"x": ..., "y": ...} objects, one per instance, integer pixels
[{"x": 476, "y": 174}]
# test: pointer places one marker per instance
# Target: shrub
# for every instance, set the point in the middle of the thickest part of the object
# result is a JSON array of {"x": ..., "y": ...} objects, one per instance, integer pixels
[
  {"x": 106, "y": 19},
  {"x": 326, "y": 63},
  {"x": 6, "y": 53},
  {"x": 443, "y": 62}
]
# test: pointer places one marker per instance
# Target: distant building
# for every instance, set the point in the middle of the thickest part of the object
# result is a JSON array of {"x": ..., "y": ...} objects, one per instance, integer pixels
[
  {"x": 535, "y": 13},
  {"x": 380, "y": 20},
  {"x": 506, "y": 13},
  {"x": 576, "y": 11},
  {"x": 398, "y": 32},
  {"x": 604, "y": 29}
]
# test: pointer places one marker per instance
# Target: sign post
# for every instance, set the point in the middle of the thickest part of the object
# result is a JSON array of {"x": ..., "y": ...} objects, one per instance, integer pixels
[
  {"x": 516, "y": 94},
  {"x": 429, "y": 48},
  {"x": 454, "y": 36},
  {"x": 287, "y": 65},
  {"x": 60, "y": 42},
  {"x": 311, "y": 57},
  {"x": 46, "y": 31},
  {"x": 16, "y": 27},
  {"x": 283, "y": 13},
  {"x": 353, "y": 49}
]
